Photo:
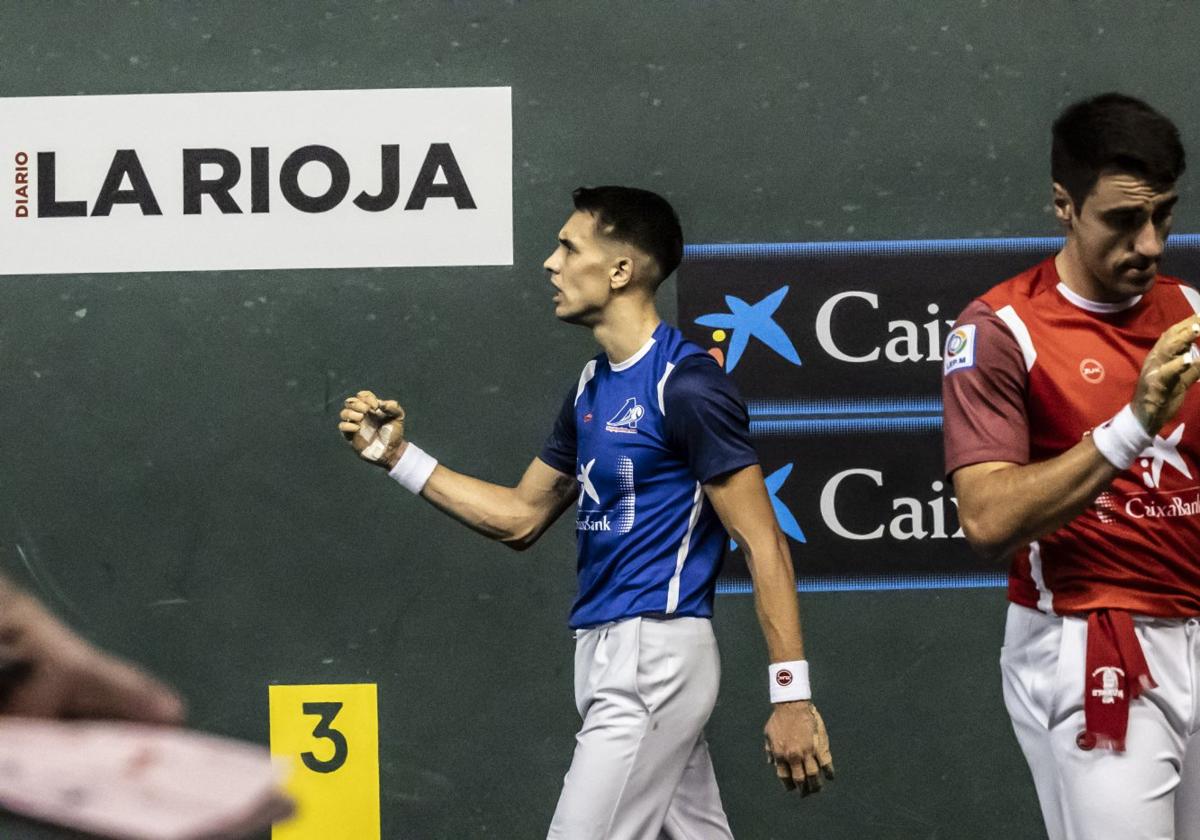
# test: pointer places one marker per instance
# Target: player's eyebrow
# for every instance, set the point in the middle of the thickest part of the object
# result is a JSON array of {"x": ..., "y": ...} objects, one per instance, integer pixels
[
  {"x": 1167, "y": 205},
  {"x": 1139, "y": 208}
]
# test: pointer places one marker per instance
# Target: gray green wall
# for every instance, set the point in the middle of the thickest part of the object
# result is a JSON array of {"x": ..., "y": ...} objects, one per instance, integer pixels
[{"x": 170, "y": 477}]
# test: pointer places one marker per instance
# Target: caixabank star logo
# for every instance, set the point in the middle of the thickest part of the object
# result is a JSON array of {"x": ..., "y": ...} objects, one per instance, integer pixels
[{"x": 745, "y": 321}]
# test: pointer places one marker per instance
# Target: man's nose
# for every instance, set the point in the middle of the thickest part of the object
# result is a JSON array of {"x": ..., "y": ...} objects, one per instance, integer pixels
[{"x": 1149, "y": 241}]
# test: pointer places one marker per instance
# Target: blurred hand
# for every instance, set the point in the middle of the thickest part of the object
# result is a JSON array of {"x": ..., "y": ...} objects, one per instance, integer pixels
[{"x": 48, "y": 671}]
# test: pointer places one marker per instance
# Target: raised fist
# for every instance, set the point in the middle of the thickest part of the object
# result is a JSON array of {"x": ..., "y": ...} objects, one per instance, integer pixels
[{"x": 374, "y": 428}]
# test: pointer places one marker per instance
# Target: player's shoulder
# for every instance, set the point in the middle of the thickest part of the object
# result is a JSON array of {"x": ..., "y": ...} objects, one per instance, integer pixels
[
  {"x": 696, "y": 380},
  {"x": 587, "y": 374},
  {"x": 1171, "y": 299},
  {"x": 1023, "y": 288},
  {"x": 1166, "y": 285}
]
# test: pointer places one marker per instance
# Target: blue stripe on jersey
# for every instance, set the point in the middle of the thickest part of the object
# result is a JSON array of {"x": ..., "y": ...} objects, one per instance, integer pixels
[{"x": 649, "y": 541}]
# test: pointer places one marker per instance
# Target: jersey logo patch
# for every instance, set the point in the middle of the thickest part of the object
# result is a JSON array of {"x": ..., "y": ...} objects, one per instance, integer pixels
[
  {"x": 1091, "y": 371},
  {"x": 626, "y": 419},
  {"x": 960, "y": 349}
]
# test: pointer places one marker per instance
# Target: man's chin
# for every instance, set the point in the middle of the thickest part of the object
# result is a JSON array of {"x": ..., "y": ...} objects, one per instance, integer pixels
[
  {"x": 1138, "y": 282},
  {"x": 567, "y": 316},
  {"x": 570, "y": 316}
]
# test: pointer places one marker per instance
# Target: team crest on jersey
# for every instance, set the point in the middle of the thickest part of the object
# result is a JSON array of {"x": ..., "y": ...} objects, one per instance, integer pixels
[
  {"x": 960, "y": 349},
  {"x": 626, "y": 419}
]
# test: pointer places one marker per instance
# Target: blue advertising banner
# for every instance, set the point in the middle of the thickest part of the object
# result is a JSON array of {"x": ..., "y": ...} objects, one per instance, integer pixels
[{"x": 837, "y": 349}]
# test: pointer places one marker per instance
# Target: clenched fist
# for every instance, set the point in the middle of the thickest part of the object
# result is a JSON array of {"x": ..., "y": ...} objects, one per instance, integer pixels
[{"x": 374, "y": 428}]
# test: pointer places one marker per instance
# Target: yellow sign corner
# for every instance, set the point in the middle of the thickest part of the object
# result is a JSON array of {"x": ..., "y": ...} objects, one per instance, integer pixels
[{"x": 329, "y": 735}]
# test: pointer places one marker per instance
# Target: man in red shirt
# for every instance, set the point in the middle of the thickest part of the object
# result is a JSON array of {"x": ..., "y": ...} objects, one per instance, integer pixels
[{"x": 1074, "y": 447}]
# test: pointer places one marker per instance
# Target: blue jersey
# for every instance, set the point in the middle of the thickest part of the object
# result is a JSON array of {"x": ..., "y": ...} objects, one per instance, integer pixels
[{"x": 642, "y": 437}]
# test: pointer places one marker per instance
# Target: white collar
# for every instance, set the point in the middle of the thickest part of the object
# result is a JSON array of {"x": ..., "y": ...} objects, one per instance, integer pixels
[
  {"x": 1094, "y": 306},
  {"x": 632, "y": 360}
]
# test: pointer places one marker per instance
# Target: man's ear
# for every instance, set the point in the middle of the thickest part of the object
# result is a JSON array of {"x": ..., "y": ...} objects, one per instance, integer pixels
[
  {"x": 1064, "y": 206},
  {"x": 621, "y": 274}
]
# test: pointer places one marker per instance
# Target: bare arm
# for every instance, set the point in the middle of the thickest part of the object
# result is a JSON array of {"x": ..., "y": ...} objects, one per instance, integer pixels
[
  {"x": 741, "y": 501},
  {"x": 516, "y": 516},
  {"x": 1003, "y": 505},
  {"x": 796, "y": 741}
]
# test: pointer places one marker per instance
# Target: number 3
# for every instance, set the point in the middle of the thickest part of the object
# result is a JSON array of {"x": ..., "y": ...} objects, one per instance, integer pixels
[{"x": 327, "y": 712}]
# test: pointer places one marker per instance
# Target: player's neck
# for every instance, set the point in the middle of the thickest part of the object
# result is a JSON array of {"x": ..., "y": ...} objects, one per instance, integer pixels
[
  {"x": 624, "y": 331},
  {"x": 1075, "y": 276}
]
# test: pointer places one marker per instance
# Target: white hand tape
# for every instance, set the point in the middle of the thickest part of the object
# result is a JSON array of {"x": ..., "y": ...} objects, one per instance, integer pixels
[
  {"x": 376, "y": 449},
  {"x": 380, "y": 443}
]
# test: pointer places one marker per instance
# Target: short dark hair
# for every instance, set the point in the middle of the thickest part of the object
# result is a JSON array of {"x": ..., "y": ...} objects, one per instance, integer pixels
[
  {"x": 1113, "y": 131},
  {"x": 639, "y": 217}
]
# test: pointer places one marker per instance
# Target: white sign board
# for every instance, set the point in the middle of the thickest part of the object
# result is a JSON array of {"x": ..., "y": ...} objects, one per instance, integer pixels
[{"x": 297, "y": 179}]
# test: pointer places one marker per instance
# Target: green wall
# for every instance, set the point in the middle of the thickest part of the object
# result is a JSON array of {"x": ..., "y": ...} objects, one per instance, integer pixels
[{"x": 171, "y": 481}]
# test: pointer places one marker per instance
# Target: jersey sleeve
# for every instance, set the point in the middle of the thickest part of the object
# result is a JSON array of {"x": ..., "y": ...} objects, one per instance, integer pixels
[
  {"x": 706, "y": 419},
  {"x": 983, "y": 392},
  {"x": 558, "y": 451}
]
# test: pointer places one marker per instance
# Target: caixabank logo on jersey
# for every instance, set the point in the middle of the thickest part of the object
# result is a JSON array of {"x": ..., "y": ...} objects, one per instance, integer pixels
[
  {"x": 298, "y": 179},
  {"x": 839, "y": 351}
]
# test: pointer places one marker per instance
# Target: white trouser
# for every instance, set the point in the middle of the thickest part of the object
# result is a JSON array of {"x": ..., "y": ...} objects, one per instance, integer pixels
[
  {"x": 1149, "y": 792},
  {"x": 641, "y": 769}
]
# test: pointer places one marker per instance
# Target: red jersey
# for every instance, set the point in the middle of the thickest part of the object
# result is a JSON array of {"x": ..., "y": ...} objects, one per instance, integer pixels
[{"x": 1030, "y": 369}]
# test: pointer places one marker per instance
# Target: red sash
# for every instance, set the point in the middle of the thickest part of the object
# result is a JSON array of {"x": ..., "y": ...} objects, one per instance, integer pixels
[{"x": 1115, "y": 673}]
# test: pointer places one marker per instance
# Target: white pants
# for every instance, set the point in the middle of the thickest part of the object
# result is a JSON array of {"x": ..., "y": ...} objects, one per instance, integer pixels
[
  {"x": 1149, "y": 792},
  {"x": 641, "y": 769}
]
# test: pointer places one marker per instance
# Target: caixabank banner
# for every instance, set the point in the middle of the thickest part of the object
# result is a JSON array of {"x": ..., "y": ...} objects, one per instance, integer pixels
[
  {"x": 256, "y": 180},
  {"x": 837, "y": 348}
]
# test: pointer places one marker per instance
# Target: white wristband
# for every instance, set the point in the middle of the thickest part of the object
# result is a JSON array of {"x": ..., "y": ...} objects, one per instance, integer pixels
[
  {"x": 414, "y": 468},
  {"x": 1121, "y": 439},
  {"x": 789, "y": 681}
]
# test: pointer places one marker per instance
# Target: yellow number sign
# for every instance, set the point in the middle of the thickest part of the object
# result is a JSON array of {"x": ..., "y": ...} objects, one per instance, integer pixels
[{"x": 330, "y": 734}]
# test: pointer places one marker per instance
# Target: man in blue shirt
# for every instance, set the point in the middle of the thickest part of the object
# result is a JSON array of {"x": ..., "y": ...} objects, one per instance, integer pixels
[{"x": 652, "y": 443}]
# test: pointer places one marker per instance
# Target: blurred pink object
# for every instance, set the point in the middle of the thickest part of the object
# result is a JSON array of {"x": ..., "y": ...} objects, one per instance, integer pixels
[{"x": 138, "y": 782}]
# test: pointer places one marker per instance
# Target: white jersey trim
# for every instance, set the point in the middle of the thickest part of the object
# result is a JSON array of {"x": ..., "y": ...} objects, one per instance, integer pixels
[
  {"x": 1045, "y": 596},
  {"x": 632, "y": 360},
  {"x": 662, "y": 383},
  {"x": 1193, "y": 297},
  {"x": 589, "y": 373},
  {"x": 681, "y": 555},
  {"x": 1095, "y": 305},
  {"x": 1020, "y": 332}
]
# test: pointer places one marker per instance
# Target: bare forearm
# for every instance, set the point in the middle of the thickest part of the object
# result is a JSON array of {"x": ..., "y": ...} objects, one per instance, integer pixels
[
  {"x": 489, "y": 509},
  {"x": 1010, "y": 507},
  {"x": 775, "y": 600},
  {"x": 516, "y": 516}
]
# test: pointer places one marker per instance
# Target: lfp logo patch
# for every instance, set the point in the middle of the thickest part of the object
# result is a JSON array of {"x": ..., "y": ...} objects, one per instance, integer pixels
[{"x": 960, "y": 349}]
